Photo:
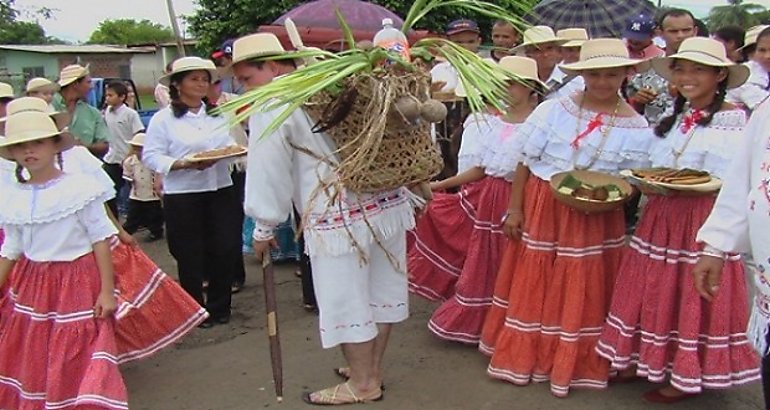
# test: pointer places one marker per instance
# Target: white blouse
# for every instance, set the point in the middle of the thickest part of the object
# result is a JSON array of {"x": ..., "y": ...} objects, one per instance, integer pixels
[
  {"x": 709, "y": 148},
  {"x": 754, "y": 90},
  {"x": 552, "y": 144},
  {"x": 476, "y": 128},
  {"x": 502, "y": 151},
  {"x": 170, "y": 139},
  {"x": 58, "y": 221}
]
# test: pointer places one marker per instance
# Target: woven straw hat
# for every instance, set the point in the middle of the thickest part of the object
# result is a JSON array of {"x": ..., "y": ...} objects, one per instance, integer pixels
[
  {"x": 6, "y": 90},
  {"x": 575, "y": 37},
  {"x": 41, "y": 84},
  {"x": 34, "y": 104},
  {"x": 185, "y": 64},
  {"x": 256, "y": 46},
  {"x": 704, "y": 51},
  {"x": 522, "y": 67},
  {"x": 538, "y": 35},
  {"x": 31, "y": 126},
  {"x": 601, "y": 53},
  {"x": 138, "y": 139},
  {"x": 752, "y": 35},
  {"x": 72, "y": 73}
]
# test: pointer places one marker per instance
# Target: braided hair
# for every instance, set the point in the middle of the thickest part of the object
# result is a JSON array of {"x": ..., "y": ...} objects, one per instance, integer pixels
[
  {"x": 59, "y": 161},
  {"x": 667, "y": 123},
  {"x": 178, "y": 107}
]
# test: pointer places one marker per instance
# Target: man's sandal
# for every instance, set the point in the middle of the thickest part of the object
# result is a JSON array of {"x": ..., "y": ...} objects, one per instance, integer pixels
[
  {"x": 340, "y": 394},
  {"x": 344, "y": 372}
]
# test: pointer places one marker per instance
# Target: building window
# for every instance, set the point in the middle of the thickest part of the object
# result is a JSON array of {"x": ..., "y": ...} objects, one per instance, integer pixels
[{"x": 30, "y": 72}]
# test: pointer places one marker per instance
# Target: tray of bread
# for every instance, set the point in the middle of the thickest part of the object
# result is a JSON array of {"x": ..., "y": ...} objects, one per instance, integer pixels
[
  {"x": 590, "y": 191},
  {"x": 686, "y": 179},
  {"x": 218, "y": 153}
]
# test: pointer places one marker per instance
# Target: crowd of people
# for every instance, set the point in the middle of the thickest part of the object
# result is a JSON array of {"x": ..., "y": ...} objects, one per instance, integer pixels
[{"x": 656, "y": 290}]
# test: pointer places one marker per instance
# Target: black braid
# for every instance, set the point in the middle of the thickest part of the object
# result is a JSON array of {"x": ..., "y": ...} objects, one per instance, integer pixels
[
  {"x": 624, "y": 89},
  {"x": 60, "y": 161},
  {"x": 665, "y": 125},
  {"x": 20, "y": 174}
]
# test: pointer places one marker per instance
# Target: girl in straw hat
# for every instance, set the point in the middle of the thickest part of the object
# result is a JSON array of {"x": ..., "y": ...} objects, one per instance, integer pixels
[
  {"x": 466, "y": 292},
  {"x": 658, "y": 325},
  {"x": 41, "y": 88},
  {"x": 757, "y": 87},
  {"x": 62, "y": 300},
  {"x": 202, "y": 210},
  {"x": 556, "y": 276}
]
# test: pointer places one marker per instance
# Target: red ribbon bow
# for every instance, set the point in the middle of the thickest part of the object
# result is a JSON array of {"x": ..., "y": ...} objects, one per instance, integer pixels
[
  {"x": 691, "y": 119},
  {"x": 593, "y": 125}
]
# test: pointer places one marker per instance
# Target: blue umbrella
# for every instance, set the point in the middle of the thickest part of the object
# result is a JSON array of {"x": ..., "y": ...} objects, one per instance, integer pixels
[{"x": 602, "y": 18}]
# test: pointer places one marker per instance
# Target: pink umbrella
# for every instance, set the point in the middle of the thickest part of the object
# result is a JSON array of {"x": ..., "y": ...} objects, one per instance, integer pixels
[{"x": 360, "y": 15}]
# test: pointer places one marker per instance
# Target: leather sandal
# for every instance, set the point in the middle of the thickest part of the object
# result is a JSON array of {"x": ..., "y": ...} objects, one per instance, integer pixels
[
  {"x": 339, "y": 395},
  {"x": 344, "y": 372}
]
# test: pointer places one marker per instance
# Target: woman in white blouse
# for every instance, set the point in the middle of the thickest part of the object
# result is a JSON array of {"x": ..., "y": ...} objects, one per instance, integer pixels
[{"x": 202, "y": 209}]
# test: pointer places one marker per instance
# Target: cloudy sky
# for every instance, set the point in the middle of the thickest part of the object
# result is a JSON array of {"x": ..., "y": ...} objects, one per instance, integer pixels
[{"x": 74, "y": 20}]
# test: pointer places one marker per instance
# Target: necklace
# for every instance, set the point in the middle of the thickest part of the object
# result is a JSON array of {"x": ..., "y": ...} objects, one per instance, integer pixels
[
  {"x": 595, "y": 123},
  {"x": 688, "y": 124}
]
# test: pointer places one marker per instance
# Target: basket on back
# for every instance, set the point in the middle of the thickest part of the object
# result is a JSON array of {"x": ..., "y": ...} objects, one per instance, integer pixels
[{"x": 376, "y": 148}]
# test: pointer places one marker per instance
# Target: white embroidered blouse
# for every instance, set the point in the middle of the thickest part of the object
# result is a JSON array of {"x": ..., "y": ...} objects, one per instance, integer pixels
[{"x": 476, "y": 128}]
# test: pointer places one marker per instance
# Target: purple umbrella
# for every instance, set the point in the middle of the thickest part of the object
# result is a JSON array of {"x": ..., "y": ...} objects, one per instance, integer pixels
[{"x": 360, "y": 15}]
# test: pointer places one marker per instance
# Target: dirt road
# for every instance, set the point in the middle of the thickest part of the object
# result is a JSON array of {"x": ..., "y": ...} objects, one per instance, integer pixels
[{"x": 228, "y": 367}]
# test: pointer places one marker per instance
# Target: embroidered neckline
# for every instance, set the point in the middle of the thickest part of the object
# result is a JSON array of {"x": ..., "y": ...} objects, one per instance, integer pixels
[
  {"x": 44, "y": 185},
  {"x": 569, "y": 105}
]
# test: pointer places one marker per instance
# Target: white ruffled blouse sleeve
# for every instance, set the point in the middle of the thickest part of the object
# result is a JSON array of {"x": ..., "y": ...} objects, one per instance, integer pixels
[
  {"x": 476, "y": 129},
  {"x": 12, "y": 247},
  {"x": 98, "y": 226}
]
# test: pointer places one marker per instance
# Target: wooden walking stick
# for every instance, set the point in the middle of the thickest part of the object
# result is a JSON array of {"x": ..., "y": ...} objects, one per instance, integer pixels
[{"x": 272, "y": 324}]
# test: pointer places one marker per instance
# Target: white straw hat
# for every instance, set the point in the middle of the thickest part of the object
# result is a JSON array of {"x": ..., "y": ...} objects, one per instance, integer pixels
[
  {"x": 31, "y": 126},
  {"x": 138, "y": 139},
  {"x": 186, "y": 64},
  {"x": 256, "y": 46},
  {"x": 6, "y": 90},
  {"x": 41, "y": 84},
  {"x": 752, "y": 35},
  {"x": 601, "y": 53},
  {"x": 34, "y": 104},
  {"x": 522, "y": 67},
  {"x": 72, "y": 73},
  {"x": 538, "y": 35},
  {"x": 704, "y": 51},
  {"x": 575, "y": 37}
]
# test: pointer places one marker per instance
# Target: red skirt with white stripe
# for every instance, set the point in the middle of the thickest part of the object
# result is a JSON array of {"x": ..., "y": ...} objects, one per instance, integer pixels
[
  {"x": 552, "y": 294},
  {"x": 54, "y": 354},
  {"x": 460, "y": 318},
  {"x": 440, "y": 243},
  {"x": 658, "y": 321}
]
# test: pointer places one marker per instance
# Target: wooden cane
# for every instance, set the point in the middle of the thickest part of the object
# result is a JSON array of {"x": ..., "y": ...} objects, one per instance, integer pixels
[{"x": 272, "y": 324}]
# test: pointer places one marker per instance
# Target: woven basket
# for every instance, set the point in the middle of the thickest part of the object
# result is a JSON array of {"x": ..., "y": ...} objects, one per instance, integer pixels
[
  {"x": 591, "y": 206},
  {"x": 400, "y": 155}
]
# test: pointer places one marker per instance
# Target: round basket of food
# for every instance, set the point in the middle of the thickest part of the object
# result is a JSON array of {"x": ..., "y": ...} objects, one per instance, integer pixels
[
  {"x": 589, "y": 191},
  {"x": 682, "y": 181}
]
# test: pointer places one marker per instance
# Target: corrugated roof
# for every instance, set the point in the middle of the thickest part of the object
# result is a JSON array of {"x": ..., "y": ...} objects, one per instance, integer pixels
[{"x": 72, "y": 49}]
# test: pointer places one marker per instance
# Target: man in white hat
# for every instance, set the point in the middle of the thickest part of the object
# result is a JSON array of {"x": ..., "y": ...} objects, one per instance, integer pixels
[
  {"x": 356, "y": 241},
  {"x": 648, "y": 92},
  {"x": 542, "y": 45},
  {"x": 87, "y": 124},
  {"x": 570, "y": 51}
]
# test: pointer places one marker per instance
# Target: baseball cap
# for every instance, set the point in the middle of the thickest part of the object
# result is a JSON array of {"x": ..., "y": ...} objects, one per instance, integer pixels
[
  {"x": 458, "y": 26},
  {"x": 640, "y": 28},
  {"x": 225, "y": 50}
]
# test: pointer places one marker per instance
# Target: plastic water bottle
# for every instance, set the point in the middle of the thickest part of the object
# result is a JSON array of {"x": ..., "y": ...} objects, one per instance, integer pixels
[{"x": 392, "y": 39}]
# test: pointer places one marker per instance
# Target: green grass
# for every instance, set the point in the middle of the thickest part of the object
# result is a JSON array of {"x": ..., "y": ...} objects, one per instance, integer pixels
[{"x": 148, "y": 101}]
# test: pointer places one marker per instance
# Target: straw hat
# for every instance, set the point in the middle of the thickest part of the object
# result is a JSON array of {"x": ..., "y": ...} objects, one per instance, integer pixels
[
  {"x": 522, "y": 67},
  {"x": 538, "y": 35},
  {"x": 704, "y": 51},
  {"x": 256, "y": 46},
  {"x": 72, "y": 73},
  {"x": 185, "y": 64},
  {"x": 138, "y": 139},
  {"x": 601, "y": 53},
  {"x": 31, "y": 126},
  {"x": 575, "y": 37},
  {"x": 41, "y": 84},
  {"x": 752, "y": 34},
  {"x": 6, "y": 91},
  {"x": 34, "y": 104}
]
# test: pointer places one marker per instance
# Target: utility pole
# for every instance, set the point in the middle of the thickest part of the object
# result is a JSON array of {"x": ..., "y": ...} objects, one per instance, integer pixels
[{"x": 175, "y": 27}]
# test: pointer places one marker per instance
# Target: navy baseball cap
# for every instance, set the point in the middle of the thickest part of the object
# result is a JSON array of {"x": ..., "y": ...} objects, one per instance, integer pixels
[
  {"x": 225, "y": 50},
  {"x": 640, "y": 28},
  {"x": 458, "y": 26}
]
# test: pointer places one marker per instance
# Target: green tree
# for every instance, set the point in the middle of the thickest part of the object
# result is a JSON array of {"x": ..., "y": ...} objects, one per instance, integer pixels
[
  {"x": 128, "y": 31},
  {"x": 14, "y": 31},
  {"x": 217, "y": 20},
  {"x": 736, "y": 13}
]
